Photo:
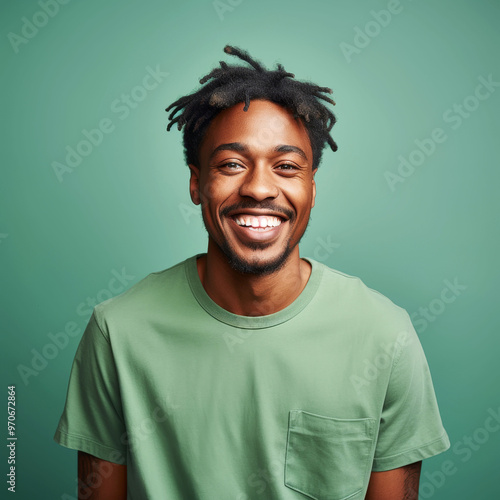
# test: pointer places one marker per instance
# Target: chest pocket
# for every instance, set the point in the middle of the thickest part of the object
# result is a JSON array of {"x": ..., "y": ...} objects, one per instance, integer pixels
[{"x": 328, "y": 458}]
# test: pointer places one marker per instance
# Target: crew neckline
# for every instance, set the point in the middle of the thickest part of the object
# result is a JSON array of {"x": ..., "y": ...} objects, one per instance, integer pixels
[{"x": 252, "y": 322}]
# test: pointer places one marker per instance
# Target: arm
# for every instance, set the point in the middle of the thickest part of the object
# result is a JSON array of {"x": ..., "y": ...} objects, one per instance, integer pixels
[
  {"x": 100, "y": 480},
  {"x": 395, "y": 484}
]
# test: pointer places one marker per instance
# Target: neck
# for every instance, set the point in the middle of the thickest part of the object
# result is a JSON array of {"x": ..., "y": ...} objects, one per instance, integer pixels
[{"x": 250, "y": 294}]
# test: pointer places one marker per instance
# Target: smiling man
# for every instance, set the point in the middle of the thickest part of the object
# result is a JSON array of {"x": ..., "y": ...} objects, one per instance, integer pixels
[{"x": 248, "y": 372}]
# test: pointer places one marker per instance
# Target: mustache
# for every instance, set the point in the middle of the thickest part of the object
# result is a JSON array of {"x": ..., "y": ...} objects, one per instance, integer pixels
[{"x": 289, "y": 214}]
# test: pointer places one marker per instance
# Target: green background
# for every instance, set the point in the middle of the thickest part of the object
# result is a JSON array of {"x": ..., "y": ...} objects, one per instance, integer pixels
[{"x": 126, "y": 206}]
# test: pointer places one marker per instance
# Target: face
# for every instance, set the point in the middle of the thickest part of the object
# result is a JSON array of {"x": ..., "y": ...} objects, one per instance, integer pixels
[{"x": 256, "y": 185}]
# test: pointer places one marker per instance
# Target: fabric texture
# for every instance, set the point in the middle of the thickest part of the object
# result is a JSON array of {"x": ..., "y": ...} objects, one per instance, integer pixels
[{"x": 204, "y": 404}]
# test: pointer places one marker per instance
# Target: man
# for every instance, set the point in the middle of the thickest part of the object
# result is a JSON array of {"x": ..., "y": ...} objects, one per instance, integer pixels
[{"x": 241, "y": 373}]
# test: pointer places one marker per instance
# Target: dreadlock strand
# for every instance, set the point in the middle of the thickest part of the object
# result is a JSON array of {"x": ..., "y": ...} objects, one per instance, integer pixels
[
  {"x": 227, "y": 85},
  {"x": 332, "y": 143},
  {"x": 210, "y": 75},
  {"x": 247, "y": 100},
  {"x": 243, "y": 54},
  {"x": 324, "y": 97}
]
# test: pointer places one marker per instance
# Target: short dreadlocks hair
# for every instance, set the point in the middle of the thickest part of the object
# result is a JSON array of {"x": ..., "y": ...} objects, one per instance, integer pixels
[{"x": 231, "y": 85}]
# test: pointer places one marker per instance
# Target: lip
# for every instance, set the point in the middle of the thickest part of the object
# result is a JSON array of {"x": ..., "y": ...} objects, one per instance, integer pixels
[
  {"x": 251, "y": 236},
  {"x": 254, "y": 211}
]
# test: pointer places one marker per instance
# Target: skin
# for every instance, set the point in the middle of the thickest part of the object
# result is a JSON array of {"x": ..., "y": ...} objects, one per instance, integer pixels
[
  {"x": 244, "y": 272},
  {"x": 396, "y": 484},
  {"x": 100, "y": 480}
]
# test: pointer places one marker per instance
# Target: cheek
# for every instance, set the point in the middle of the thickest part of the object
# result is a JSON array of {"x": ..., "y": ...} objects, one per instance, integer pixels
[
  {"x": 215, "y": 192},
  {"x": 208, "y": 191},
  {"x": 301, "y": 199}
]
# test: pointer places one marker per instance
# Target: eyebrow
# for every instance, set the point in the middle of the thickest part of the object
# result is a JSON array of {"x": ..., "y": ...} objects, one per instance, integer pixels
[{"x": 238, "y": 146}]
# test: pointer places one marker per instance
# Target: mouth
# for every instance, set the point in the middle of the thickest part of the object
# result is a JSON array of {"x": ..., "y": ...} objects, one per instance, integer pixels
[
  {"x": 257, "y": 222},
  {"x": 251, "y": 227}
]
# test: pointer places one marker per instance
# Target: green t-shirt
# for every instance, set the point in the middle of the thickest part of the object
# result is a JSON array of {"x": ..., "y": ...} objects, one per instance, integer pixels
[{"x": 204, "y": 404}]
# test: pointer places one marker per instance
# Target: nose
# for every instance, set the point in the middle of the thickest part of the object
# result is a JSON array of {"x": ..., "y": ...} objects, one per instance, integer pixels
[{"x": 259, "y": 183}]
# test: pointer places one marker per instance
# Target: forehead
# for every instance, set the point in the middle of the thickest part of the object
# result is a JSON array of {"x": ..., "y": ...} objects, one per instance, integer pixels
[{"x": 262, "y": 127}]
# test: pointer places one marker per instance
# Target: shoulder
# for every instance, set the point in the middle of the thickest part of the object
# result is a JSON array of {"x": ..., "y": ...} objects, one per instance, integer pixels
[
  {"x": 155, "y": 291},
  {"x": 345, "y": 295}
]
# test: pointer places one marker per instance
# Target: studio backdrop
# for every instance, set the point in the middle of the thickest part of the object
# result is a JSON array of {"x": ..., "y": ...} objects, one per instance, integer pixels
[{"x": 94, "y": 190}]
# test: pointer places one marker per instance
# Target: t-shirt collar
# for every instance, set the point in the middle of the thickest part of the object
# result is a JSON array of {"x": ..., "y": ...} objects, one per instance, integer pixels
[{"x": 252, "y": 322}]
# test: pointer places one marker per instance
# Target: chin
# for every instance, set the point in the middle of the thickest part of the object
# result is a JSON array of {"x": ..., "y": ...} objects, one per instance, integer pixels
[{"x": 255, "y": 266}]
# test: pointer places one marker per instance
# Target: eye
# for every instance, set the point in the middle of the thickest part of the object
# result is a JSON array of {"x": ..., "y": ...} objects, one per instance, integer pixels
[
  {"x": 286, "y": 167},
  {"x": 231, "y": 165}
]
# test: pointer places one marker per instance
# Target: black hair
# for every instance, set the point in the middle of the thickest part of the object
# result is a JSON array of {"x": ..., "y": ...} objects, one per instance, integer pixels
[{"x": 231, "y": 85}]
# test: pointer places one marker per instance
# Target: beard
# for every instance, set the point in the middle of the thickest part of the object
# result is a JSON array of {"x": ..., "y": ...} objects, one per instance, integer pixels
[{"x": 254, "y": 265}]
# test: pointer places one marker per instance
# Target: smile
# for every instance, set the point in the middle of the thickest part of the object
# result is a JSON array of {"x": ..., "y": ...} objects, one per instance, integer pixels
[
  {"x": 257, "y": 222},
  {"x": 253, "y": 228}
]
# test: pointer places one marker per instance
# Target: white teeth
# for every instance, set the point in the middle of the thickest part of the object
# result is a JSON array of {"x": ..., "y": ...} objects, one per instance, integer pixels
[{"x": 260, "y": 222}]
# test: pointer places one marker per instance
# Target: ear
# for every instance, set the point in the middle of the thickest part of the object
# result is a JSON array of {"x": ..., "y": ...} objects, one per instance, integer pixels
[
  {"x": 313, "y": 187},
  {"x": 194, "y": 184}
]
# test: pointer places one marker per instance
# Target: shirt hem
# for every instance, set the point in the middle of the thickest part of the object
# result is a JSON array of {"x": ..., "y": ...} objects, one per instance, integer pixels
[
  {"x": 91, "y": 447},
  {"x": 414, "y": 455}
]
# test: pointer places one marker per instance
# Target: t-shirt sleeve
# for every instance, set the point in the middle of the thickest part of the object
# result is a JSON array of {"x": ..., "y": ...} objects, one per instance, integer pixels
[
  {"x": 92, "y": 419},
  {"x": 410, "y": 427}
]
